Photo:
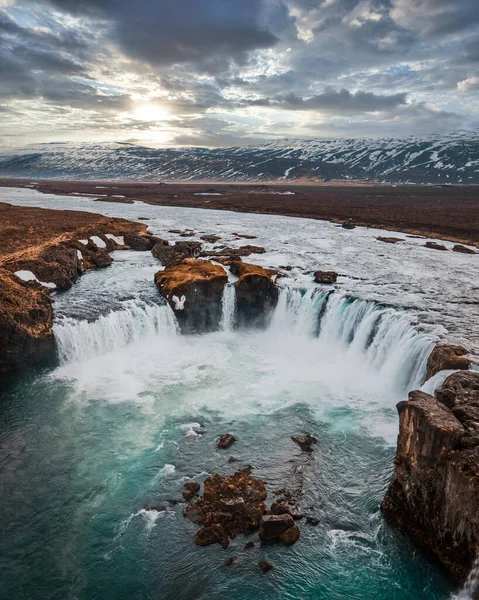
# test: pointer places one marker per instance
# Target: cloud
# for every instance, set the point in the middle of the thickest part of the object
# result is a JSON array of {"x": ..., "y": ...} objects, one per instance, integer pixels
[
  {"x": 339, "y": 102},
  {"x": 163, "y": 32},
  {"x": 469, "y": 84}
]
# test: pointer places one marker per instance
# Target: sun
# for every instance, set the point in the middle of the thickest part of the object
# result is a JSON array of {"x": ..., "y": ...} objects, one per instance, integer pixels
[{"x": 149, "y": 112}]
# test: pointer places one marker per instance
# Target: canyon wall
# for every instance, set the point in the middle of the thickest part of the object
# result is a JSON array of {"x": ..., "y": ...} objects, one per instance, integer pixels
[{"x": 434, "y": 492}]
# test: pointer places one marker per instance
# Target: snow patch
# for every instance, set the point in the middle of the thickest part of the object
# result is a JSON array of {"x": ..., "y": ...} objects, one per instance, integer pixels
[
  {"x": 118, "y": 239},
  {"x": 29, "y": 276},
  {"x": 98, "y": 241}
]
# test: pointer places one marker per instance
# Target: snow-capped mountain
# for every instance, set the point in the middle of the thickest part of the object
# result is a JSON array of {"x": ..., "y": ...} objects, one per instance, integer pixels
[{"x": 440, "y": 159}]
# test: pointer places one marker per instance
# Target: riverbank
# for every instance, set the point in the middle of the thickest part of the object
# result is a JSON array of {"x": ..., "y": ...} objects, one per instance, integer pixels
[{"x": 441, "y": 212}]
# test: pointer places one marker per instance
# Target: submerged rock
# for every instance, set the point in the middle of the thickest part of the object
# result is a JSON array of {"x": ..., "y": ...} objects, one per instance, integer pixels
[
  {"x": 348, "y": 226},
  {"x": 229, "y": 561},
  {"x": 191, "y": 489},
  {"x": 226, "y": 441},
  {"x": 434, "y": 492},
  {"x": 305, "y": 442},
  {"x": 447, "y": 356},
  {"x": 265, "y": 566},
  {"x": 256, "y": 294},
  {"x": 325, "y": 277},
  {"x": 194, "y": 290}
]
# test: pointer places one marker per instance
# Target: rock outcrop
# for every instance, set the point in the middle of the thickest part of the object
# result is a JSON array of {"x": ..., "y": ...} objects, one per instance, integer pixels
[
  {"x": 42, "y": 250},
  {"x": 26, "y": 317},
  {"x": 235, "y": 504},
  {"x": 447, "y": 356},
  {"x": 170, "y": 256},
  {"x": 329, "y": 277},
  {"x": 256, "y": 294},
  {"x": 434, "y": 493},
  {"x": 194, "y": 290}
]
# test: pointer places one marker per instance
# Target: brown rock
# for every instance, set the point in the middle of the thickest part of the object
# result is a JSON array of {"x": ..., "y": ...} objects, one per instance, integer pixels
[
  {"x": 265, "y": 566},
  {"x": 256, "y": 294},
  {"x": 226, "y": 441},
  {"x": 325, "y": 277},
  {"x": 193, "y": 513},
  {"x": 245, "y": 236},
  {"x": 463, "y": 249},
  {"x": 435, "y": 246},
  {"x": 447, "y": 356},
  {"x": 194, "y": 290},
  {"x": 211, "y": 239},
  {"x": 26, "y": 317},
  {"x": 312, "y": 521},
  {"x": 434, "y": 492},
  {"x": 191, "y": 489},
  {"x": 229, "y": 561},
  {"x": 249, "y": 545},
  {"x": 305, "y": 442},
  {"x": 348, "y": 226},
  {"x": 205, "y": 537},
  {"x": 272, "y": 526},
  {"x": 389, "y": 240},
  {"x": 290, "y": 536},
  {"x": 235, "y": 502}
]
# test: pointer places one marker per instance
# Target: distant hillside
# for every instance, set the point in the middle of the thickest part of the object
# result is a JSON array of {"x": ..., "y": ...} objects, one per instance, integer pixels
[{"x": 441, "y": 159}]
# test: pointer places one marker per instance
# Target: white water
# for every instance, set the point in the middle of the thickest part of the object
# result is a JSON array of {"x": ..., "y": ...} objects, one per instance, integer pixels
[
  {"x": 78, "y": 340},
  {"x": 471, "y": 587},
  {"x": 383, "y": 339}
]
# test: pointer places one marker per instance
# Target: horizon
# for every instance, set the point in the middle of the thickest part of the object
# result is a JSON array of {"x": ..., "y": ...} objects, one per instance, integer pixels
[{"x": 230, "y": 74}]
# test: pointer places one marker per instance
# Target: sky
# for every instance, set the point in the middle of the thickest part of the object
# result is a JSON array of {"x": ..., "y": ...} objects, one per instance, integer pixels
[{"x": 235, "y": 72}]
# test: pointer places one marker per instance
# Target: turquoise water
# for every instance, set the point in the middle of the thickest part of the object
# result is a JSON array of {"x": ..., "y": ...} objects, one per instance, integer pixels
[{"x": 85, "y": 445}]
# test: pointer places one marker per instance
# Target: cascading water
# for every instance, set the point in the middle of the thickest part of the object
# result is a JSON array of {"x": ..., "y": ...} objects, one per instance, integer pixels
[
  {"x": 470, "y": 591},
  {"x": 78, "y": 340},
  {"x": 386, "y": 338},
  {"x": 228, "y": 307}
]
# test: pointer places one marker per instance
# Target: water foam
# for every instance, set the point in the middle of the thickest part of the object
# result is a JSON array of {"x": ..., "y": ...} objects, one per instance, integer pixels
[{"x": 80, "y": 339}]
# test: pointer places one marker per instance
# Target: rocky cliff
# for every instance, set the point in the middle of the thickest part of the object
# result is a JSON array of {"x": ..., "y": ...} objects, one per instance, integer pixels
[
  {"x": 45, "y": 250},
  {"x": 434, "y": 493}
]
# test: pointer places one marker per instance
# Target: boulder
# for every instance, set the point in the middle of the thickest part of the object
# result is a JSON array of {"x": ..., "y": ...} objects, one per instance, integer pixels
[
  {"x": 265, "y": 566},
  {"x": 290, "y": 536},
  {"x": 447, "y": 356},
  {"x": 271, "y": 527},
  {"x": 226, "y": 441},
  {"x": 233, "y": 252},
  {"x": 229, "y": 561},
  {"x": 256, "y": 294},
  {"x": 249, "y": 546},
  {"x": 435, "y": 246},
  {"x": 212, "y": 535},
  {"x": 348, "y": 226},
  {"x": 305, "y": 442},
  {"x": 325, "y": 277},
  {"x": 211, "y": 239},
  {"x": 463, "y": 249},
  {"x": 194, "y": 290}
]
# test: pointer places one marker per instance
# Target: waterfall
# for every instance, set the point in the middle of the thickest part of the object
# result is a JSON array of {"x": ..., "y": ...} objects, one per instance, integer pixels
[
  {"x": 78, "y": 340},
  {"x": 228, "y": 307},
  {"x": 471, "y": 587},
  {"x": 387, "y": 338}
]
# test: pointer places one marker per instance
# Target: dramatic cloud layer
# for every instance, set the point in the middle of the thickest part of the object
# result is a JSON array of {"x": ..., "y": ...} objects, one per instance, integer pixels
[{"x": 227, "y": 72}]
